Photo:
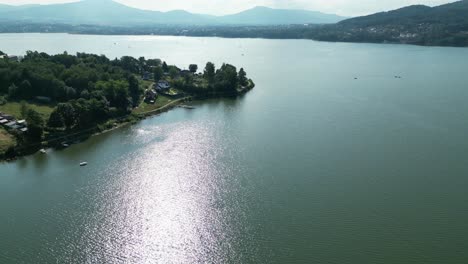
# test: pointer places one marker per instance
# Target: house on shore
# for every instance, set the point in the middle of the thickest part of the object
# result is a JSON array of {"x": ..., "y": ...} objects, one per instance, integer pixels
[
  {"x": 163, "y": 86},
  {"x": 146, "y": 76},
  {"x": 151, "y": 95}
]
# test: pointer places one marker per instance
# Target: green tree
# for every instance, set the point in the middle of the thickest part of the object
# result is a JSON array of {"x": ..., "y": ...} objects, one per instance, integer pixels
[
  {"x": 130, "y": 64},
  {"x": 193, "y": 68},
  {"x": 158, "y": 73},
  {"x": 23, "y": 109},
  {"x": 67, "y": 112},
  {"x": 55, "y": 119},
  {"x": 242, "y": 77},
  {"x": 165, "y": 67},
  {"x": 153, "y": 62},
  {"x": 13, "y": 91},
  {"x": 116, "y": 92},
  {"x": 209, "y": 72},
  {"x": 134, "y": 89},
  {"x": 188, "y": 81},
  {"x": 142, "y": 63},
  {"x": 226, "y": 78},
  {"x": 173, "y": 72},
  {"x": 25, "y": 90},
  {"x": 35, "y": 125}
]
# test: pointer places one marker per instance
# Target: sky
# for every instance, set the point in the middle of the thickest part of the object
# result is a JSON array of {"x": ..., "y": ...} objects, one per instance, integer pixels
[{"x": 222, "y": 7}]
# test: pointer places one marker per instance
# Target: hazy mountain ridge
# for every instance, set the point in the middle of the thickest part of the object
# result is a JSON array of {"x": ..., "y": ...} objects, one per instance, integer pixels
[
  {"x": 444, "y": 25},
  {"x": 447, "y": 13},
  {"x": 264, "y": 15},
  {"x": 108, "y": 12}
]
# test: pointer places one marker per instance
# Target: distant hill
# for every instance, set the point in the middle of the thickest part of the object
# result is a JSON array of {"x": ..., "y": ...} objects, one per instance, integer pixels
[
  {"x": 454, "y": 13},
  {"x": 99, "y": 12},
  {"x": 108, "y": 12},
  {"x": 445, "y": 25},
  {"x": 268, "y": 16}
]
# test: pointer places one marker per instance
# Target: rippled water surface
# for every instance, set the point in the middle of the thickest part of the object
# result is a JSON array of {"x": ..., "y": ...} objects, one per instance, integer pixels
[{"x": 312, "y": 166}]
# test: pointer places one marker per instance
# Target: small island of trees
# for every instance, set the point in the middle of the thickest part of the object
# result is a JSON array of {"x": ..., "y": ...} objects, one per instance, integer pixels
[{"x": 62, "y": 95}]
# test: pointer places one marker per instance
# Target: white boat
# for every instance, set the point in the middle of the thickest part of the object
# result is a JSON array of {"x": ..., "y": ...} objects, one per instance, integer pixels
[
  {"x": 42, "y": 151},
  {"x": 83, "y": 164},
  {"x": 186, "y": 106}
]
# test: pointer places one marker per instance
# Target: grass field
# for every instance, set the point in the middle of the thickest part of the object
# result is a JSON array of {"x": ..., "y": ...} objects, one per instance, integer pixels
[
  {"x": 14, "y": 109},
  {"x": 145, "y": 107},
  {"x": 6, "y": 140}
]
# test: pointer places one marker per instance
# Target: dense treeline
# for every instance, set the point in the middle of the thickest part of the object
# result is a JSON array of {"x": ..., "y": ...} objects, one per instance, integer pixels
[
  {"x": 223, "y": 81},
  {"x": 86, "y": 88},
  {"x": 89, "y": 88},
  {"x": 66, "y": 77}
]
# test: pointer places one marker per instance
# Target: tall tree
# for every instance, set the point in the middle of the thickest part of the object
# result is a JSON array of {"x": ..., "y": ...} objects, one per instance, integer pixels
[
  {"x": 242, "y": 77},
  {"x": 193, "y": 68},
  {"x": 134, "y": 89},
  {"x": 55, "y": 119},
  {"x": 67, "y": 112},
  {"x": 173, "y": 72},
  {"x": 13, "y": 91},
  {"x": 142, "y": 64},
  {"x": 158, "y": 73},
  {"x": 165, "y": 67},
  {"x": 226, "y": 78},
  {"x": 23, "y": 109},
  {"x": 209, "y": 72},
  {"x": 25, "y": 89},
  {"x": 35, "y": 125}
]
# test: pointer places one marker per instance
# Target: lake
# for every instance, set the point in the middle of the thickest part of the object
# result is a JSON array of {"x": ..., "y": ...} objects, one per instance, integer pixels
[{"x": 312, "y": 166}]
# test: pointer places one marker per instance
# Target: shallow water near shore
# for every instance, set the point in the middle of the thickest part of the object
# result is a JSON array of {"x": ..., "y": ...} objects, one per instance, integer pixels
[{"x": 312, "y": 166}]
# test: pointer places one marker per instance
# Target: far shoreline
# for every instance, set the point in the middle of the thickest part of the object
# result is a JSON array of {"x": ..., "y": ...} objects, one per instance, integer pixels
[{"x": 240, "y": 38}]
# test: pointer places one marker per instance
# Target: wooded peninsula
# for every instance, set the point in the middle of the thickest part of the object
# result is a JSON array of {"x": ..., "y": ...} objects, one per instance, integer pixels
[{"x": 54, "y": 100}]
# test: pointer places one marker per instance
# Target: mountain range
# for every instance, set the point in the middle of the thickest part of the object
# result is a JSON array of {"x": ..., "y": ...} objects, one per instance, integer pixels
[
  {"x": 444, "y": 25},
  {"x": 455, "y": 13},
  {"x": 108, "y": 12}
]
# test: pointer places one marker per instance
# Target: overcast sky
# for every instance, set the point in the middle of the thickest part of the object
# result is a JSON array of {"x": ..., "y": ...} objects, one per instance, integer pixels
[{"x": 219, "y": 7}]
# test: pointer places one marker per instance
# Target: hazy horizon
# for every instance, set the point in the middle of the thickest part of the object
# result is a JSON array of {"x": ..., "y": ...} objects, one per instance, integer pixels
[{"x": 218, "y": 7}]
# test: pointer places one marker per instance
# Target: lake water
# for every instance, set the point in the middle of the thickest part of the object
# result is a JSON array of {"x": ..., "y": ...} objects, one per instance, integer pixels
[{"x": 312, "y": 166}]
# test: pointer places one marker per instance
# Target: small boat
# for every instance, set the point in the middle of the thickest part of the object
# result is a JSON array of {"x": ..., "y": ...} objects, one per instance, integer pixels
[
  {"x": 42, "y": 151},
  {"x": 82, "y": 164},
  {"x": 187, "y": 106},
  {"x": 65, "y": 145}
]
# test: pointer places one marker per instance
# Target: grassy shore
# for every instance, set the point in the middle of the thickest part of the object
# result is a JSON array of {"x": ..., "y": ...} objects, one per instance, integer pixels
[
  {"x": 14, "y": 109},
  {"x": 147, "y": 107},
  {"x": 6, "y": 141}
]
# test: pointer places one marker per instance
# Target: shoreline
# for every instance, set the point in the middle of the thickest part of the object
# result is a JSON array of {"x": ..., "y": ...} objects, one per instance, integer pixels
[
  {"x": 95, "y": 131},
  {"x": 242, "y": 37},
  {"x": 92, "y": 131}
]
